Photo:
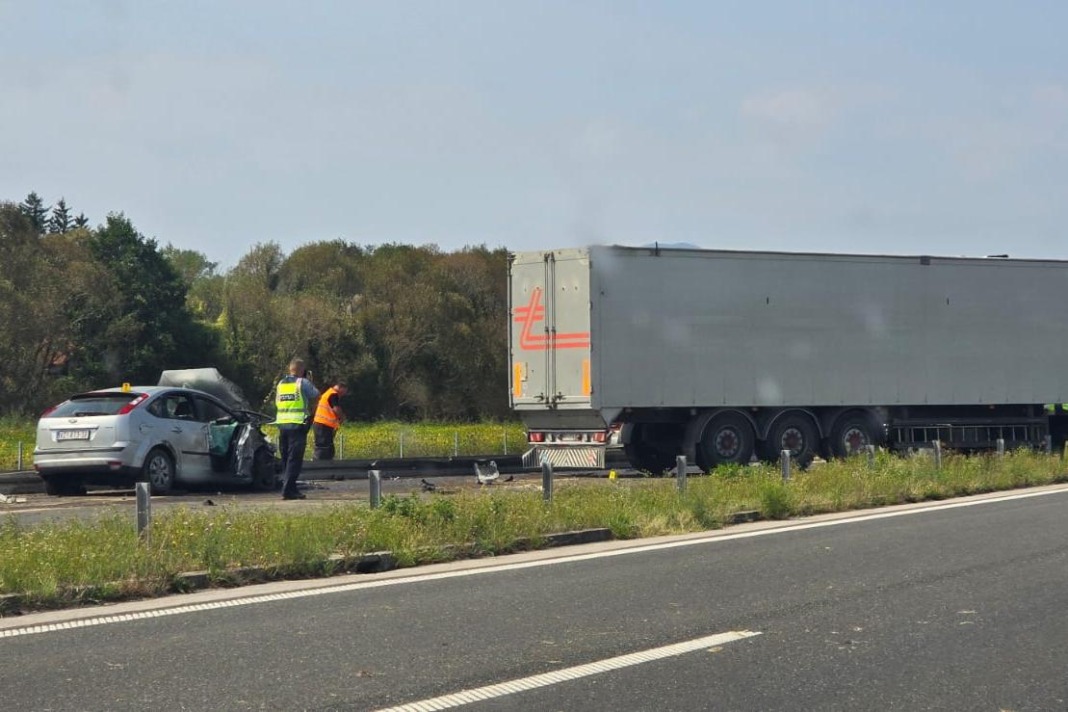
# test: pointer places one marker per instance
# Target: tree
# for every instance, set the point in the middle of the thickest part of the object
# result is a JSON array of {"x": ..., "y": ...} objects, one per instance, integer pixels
[
  {"x": 190, "y": 264},
  {"x": 37, "y": 212},
  {"x": 81, "y": 220},
  {"x": 154, "y": 330},
  {"x": 331, "y": 268},
  {"x": 53, "y": 298},
  {"x": 261, "y": 265},
  {"x": 61, "y": 220}
]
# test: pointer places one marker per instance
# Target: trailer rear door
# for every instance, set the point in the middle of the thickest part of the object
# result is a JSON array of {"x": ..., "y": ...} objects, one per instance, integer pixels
[{"x": 550, "y": 331}]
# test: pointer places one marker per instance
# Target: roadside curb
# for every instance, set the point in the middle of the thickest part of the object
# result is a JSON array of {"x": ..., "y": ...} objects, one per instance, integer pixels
[{"x": 15, "y": 604}]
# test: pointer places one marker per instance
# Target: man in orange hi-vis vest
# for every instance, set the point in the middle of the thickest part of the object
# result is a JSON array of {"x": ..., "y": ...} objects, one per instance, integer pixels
[{"x": 328, "y": 417}]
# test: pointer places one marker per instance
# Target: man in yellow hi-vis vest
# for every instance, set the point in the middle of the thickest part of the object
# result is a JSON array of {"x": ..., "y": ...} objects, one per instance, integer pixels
[
  {"x": 293, "y": 399},
  {"x": 328, "y": 418}
]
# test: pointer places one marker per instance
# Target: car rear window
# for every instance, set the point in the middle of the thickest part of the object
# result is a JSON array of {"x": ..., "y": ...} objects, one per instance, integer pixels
[{"x": 93, "y": 404}]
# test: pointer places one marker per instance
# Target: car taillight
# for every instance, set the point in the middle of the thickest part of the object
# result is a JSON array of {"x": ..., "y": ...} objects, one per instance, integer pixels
[
  {"x": 599, "y": 437},
  {"x": 536, "y": 437},
  {"x": 133, "y": 404}
]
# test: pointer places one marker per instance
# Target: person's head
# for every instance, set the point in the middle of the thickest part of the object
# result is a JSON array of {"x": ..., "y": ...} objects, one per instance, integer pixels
[
  {"x": 341, "y": 387},
  {"x": 296, "y": 367}
]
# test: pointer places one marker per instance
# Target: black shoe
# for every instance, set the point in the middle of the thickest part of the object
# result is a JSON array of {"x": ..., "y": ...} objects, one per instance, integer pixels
[{"x": 294, "y": 495}]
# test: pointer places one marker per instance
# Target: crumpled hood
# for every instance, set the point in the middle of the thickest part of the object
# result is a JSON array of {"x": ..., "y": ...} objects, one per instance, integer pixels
[{"x": 208, "y": 380}]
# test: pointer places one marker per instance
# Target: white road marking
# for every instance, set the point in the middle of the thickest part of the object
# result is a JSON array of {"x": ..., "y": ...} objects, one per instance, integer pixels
[
  {"x": 523, "y": 684},
  {"x": 712, "y": 538}
]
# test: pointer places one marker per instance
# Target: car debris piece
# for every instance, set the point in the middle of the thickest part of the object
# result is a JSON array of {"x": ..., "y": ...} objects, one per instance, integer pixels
[
  {"x": 428, "y": 486},
  {"x": 486, "y": 474},
  {"x": 7, "y": 499}
]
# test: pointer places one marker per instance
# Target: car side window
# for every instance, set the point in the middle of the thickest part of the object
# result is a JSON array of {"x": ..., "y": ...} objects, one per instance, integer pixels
[
  {"x": 158, "y": 408},
  {"x": 210, "y": 410},
  {"x": 174, "y": 406}
]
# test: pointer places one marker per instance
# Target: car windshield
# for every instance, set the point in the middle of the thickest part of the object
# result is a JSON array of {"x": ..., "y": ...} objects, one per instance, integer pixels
[{"x": 93, "y": 404}]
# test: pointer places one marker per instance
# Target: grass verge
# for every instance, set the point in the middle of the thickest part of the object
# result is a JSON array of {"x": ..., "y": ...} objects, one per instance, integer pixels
[{"x": 80, "y": 562}]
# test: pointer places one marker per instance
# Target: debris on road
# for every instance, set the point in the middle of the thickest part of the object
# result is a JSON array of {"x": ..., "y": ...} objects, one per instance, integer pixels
[
  {"x": 8, "y": 499},
  {"x": 487, "y": 473}
]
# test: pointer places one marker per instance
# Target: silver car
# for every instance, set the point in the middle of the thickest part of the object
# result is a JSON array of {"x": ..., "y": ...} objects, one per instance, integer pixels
[{"x": 164, "y": 435}]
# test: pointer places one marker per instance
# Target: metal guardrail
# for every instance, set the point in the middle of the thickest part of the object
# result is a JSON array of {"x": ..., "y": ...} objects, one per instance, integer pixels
[{"x": 27, "y": 481}]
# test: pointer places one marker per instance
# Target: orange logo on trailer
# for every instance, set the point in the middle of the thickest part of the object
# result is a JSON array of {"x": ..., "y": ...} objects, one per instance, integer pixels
[{"x": 534, "y": 312}]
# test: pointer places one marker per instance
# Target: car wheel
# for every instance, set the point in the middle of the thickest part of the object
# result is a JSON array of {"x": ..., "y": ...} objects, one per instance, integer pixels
[
  {"x": 63, "y": 486},
  {"x": 264, "y": 471},
  {"x": 158, "y": 471}
]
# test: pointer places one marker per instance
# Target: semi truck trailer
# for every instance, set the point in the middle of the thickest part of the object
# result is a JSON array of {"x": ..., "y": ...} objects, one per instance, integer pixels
[{"x": 724, "y": 356}]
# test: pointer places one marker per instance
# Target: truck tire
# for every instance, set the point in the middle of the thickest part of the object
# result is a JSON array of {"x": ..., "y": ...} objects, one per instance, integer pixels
[
  {"x": 727, "y": 439},
  {"x": 852, "y": 433},
  {"x": 645, "y": 457},
  {"x": 794, "y": 432}
]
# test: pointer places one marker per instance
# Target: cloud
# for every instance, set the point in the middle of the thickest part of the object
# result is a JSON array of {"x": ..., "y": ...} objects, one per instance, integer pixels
[
  {"x": 789, "y": 121},
  {"x": 790, "y": 108}
]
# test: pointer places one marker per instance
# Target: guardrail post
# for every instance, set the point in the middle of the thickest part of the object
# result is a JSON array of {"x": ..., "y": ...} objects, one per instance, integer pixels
[
  {"x": 504, "y": 433},
  {"x": 19, "y": 463},
  {"x": 680, "y": 473},
  {"x": 547, "y": 481},
  {"x": 374, "y": 479},
  {"x": 784, "y": 465},
  {"x": 1001, "y": 447},
  {"x": 402, "y": 443},
  {"x": 870, "y": 449},
  {"x": 455, "y": 443},
  {"x": 341, "y": 446},
  {"x": 144, "y": 509},
  {"x": 938, "y": 454}
]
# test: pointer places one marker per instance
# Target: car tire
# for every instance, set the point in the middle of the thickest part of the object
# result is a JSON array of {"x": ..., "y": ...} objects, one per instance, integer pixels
[
  {"x": 264, "y": 471},
  {"x": 158, "y": 471},
  {"x": 63, "y": 487}
]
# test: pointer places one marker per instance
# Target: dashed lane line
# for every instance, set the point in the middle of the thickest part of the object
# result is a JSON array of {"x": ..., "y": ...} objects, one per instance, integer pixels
[{"x": 511, "y": 687}]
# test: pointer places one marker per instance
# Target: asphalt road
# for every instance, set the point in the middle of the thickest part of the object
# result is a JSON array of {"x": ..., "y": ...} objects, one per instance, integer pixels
[{"x": 926, "y": 607}]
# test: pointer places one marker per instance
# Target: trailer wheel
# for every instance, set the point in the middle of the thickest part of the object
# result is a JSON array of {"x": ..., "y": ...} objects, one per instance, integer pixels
[
  {"x": 727, "y": 439},
  {"x": 645, "y": 457},
  {"x": 797, "y": 433},
  {"x": 852, "y": 434}
]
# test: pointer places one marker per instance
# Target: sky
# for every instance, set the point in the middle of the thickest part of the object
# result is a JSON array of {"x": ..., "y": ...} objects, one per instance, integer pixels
[{"x": 907, "y": 127}]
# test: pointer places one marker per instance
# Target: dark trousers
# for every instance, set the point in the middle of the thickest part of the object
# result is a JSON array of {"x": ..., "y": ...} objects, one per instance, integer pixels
[
  {"x": 292, "y": 442},
  {"x": 324, "y": 441}
]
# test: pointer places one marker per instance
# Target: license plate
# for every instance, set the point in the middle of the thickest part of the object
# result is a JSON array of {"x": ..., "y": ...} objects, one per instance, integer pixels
[{"x": 72, "y": 435}]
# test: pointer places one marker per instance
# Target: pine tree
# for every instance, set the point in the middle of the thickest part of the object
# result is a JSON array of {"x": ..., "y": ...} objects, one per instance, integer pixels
[
  {"x": 60, "y": 222},
  {"x": 81, "y": 220},
  {"x": 35, "y": 209}
]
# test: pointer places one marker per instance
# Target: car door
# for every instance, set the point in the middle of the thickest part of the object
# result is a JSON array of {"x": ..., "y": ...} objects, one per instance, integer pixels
[
  {"x": 188, "y": 434},
  {"x": 222, "y": 431}
]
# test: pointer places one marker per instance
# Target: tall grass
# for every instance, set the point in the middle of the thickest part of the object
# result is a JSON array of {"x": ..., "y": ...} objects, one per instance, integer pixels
[
  {"x": 12, "y": 432},
  {"x": 75, "y": 561},
  {"x": 429, "y": 439}
]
